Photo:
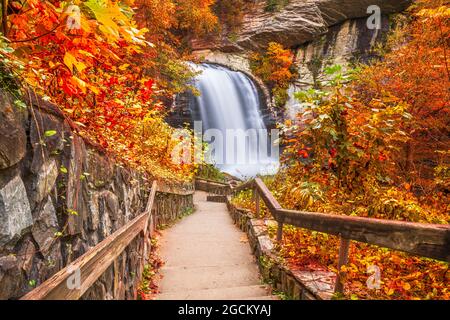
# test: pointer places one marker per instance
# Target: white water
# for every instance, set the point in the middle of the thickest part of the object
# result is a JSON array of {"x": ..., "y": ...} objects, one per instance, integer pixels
[{"x": 229, "y": 101}]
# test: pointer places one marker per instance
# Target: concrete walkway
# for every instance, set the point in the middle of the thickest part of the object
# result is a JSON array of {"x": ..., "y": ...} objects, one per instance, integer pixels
[{"x": 208, "y": 258}]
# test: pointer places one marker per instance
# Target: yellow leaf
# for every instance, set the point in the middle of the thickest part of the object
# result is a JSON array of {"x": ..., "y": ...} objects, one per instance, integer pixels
[
  {"x": 79, "y": 83},
  {"x": 93, "y": 89},
  {"x": 70, "y": 61},
  {"x": 312, "y": 249},
  {"x": 406, "y": 286},
  {"x": 86, "y": 53},
  {"x": 109, "y": 16},
  {"x": 124, "y": 66}
]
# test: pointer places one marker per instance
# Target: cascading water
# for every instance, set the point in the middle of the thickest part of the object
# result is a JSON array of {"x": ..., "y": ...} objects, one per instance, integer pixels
[{"x": 230, "y": 109}]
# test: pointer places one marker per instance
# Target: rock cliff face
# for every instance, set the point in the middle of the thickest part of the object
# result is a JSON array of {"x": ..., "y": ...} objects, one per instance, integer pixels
[
  {"x": 320, "y": 32},
  {"x": 298, "y": 22},
  {"x": 344, "y": 44}
]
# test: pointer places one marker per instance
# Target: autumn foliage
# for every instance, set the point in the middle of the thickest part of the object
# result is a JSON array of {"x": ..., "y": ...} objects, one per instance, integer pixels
[
  {"x": 276, "y": 68},
  {"x": 108, "y": 68},
  {"x": 371, "y": 143},
  {"x": 374, "y": 143}
]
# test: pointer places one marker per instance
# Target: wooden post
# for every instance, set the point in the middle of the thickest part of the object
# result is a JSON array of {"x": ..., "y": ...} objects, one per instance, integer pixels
[
  {"x": 343, "y": 260},
  {"x": 116, "y": 279},
  {"x": 280, "y": 231},
  {"x": 258, "y": 210},
  {"x": 5, "y": 17}
]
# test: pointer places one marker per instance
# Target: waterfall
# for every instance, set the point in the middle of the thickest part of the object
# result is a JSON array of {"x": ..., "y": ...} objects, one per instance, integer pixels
[{"x": 230, "y": 109}]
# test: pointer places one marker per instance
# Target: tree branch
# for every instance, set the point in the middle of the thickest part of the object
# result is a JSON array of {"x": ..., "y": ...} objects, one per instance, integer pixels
[
  {"x": 37, "y": 37},
  {"x": 5, "y": 17}
]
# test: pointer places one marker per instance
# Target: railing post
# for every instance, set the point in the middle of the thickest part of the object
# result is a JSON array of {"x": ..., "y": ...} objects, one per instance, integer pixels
[
  {"x": 343, "y": 260},
  {"x": 280, "y": 231},
  {"x": 258, "y": 209}
]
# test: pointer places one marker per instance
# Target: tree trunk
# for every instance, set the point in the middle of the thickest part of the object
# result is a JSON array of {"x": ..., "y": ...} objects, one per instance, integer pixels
[{"x": 5, "y": 17}]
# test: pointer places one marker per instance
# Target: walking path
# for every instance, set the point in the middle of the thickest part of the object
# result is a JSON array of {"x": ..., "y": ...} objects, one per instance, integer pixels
[{"x": 207, "y": 257}]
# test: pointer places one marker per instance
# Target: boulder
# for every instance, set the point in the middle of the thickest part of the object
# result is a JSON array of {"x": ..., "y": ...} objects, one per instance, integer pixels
[
  {"x": 74, "y": 188},
  {"x": 93, "y": 217},
  {"x": 15, "y": 212},
  {"x": 100, "y": 169},
  {"x": 25, "y": 255},
  {"x": 46, "y": 146},
  {"x": 52, "y": 262},
  {"x": 11, "y": 278},
  {"x": 45, "y": 226},
  {"x": 45, "y": 180}
]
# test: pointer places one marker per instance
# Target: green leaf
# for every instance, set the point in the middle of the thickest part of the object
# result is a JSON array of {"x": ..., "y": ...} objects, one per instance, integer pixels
[
  {"x": 50, "y": 133},
  {"x": 333, "y": 69},
  {"x": 63, "y": 169},
  {"x": 72, "y": 212},
  {"x": 20, "y": 104}
]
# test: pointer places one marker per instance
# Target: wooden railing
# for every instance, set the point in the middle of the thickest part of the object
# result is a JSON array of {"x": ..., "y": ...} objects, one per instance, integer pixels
[
  {"x": 425, "y": 240},
  {"x": 90, "y": 266}
]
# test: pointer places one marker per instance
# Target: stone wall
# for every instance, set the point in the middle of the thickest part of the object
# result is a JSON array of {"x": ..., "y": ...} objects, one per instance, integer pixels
[
  {"x": 295, "y": 284},
  {"x": 59, "y": 197}
]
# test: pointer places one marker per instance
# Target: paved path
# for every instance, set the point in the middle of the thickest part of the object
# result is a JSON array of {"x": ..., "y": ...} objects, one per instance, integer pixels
[{"x": 207, "y": 258}]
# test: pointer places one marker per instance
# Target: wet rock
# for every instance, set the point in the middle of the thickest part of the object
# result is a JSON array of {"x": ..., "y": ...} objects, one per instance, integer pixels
[
  {"x": 12, "y": 132},
  {"x": 26, "y": 255},
  {"x": 93, "y": 217},
  {"x": 112, "y": 205},
  {"x": 79, "y": 248},
  {"x": 46, "y": 146},
  {"x": 45, "y": 180},
  {"x": 45, "y": 226},
  {"x": 74, "y": 197},
  {"x": 11, "y": 278},
  {"x": 96, "y": 292},
  {"x": 105, "y": 225},
  {"x": 105, "y": 213},
  {"x": 52, "y": 262},
  {"x": 100, "y": 169},
  {"x": 15, "y": 212}
]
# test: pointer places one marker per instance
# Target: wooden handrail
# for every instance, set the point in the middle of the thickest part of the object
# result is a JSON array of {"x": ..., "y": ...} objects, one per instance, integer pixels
[
  {"x": 90, "y": 266},
  {"x": 267, "y": 196},
  {"x": 425, "y": 240},
  {"x": 165, "y": 188},
  {"x": 213, "y": 181}
]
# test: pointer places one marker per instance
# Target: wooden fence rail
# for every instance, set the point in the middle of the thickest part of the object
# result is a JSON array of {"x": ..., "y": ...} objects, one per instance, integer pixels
[
  {"x": 425, "y": 240},
  {"x": 90, "y": 266}
]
